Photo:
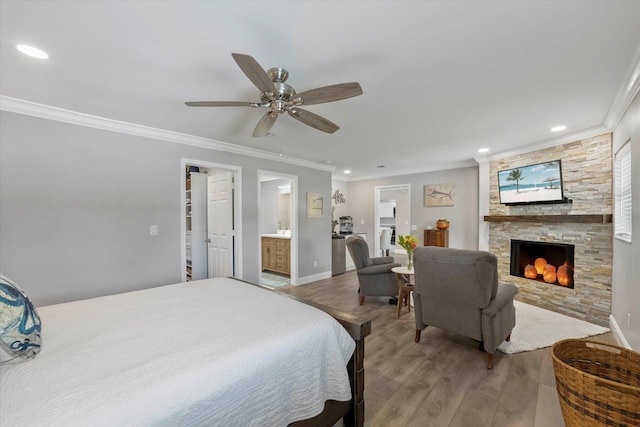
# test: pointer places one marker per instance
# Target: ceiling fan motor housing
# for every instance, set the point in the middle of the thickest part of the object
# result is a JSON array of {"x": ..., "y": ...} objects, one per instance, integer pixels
[
  {"x": 278, "y": 75},
  {"x": 284, "y": 92}
]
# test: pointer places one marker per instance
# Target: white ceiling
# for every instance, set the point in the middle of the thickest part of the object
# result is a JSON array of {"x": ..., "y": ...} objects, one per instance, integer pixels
[{"x": 440, "y": 79}]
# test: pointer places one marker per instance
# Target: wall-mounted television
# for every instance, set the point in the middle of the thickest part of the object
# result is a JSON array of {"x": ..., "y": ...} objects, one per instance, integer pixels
[{"x": 539, "y": 183}]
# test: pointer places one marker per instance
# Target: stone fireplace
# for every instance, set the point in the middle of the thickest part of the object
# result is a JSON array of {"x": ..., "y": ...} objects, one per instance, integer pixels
[{"x": 584, "y": 224}]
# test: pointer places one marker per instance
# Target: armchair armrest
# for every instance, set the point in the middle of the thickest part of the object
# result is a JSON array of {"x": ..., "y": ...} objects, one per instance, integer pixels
[
  {"x": 498, "y": 319},
  {"x": 504, "y": 296},
  {"x": 383, "y": 260},
  {"x": 377, "y": 269}
]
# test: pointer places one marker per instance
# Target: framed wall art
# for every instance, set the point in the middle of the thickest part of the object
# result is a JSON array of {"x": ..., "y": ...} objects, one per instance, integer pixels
[
  {"x": 440, "y": 195},
  {"x": 315, "y": 203}
]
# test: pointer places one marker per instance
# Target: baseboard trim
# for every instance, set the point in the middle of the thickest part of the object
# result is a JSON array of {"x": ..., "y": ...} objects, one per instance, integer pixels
[
  {"x": 617, "y": 333},
  {"x": 313, "y": 278}
]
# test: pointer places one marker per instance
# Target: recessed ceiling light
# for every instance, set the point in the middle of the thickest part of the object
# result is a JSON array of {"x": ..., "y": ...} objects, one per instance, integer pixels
[
  {"x": 347, "y": 171},
  {"x": 34, "y": 52},
  {"x": 381, "y": 166},
  {"x": 558, "y": 128},
  {"x": 483, "y": 150}
]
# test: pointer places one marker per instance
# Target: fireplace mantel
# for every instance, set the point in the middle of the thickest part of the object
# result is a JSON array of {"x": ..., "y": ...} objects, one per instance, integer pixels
[{"x": 584, "y": 219}]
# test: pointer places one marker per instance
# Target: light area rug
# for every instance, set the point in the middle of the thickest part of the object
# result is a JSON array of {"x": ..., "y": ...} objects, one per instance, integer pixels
[{"x": 538, "y": 328}]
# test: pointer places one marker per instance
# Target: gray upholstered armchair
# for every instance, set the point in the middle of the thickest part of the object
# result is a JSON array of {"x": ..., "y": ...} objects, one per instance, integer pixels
[
  {"x": 374, "y": 274},
  {"x": 457, "y": 290}
]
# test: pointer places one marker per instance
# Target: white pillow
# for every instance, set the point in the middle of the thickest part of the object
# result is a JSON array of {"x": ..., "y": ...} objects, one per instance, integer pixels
[{"x": 19, "y": 324}]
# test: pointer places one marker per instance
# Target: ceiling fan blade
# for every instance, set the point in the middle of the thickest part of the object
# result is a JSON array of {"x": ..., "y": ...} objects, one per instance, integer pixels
[
  {"x": 254, "y": 72},
  {"x": 222, "y": 104},
  {"x": 313, "y": 120},
  {"x": 265, "y": 124},
  {"x": 330, "y": 93}
]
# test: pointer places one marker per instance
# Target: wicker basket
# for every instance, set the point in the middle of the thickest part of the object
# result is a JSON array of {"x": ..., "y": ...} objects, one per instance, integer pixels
[{"x": 598, "y": 384}]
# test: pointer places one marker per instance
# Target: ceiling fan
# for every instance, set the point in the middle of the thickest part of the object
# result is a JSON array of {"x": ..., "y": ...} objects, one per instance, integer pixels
[{"x": 279, "y": 97}]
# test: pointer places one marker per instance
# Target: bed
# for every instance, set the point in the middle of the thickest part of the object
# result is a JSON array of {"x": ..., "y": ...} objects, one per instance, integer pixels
[{"x": 215, "y": 352}]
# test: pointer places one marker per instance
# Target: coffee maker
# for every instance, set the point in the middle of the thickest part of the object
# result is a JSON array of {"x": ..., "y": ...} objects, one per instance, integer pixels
[{"x": 346, "y": 225}]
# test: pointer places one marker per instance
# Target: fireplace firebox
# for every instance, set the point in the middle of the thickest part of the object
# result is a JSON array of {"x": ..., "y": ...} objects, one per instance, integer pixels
[{"x": 551, "y": 263}]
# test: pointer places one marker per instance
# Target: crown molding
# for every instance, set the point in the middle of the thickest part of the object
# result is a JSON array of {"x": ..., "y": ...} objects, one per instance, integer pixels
[
  {"x": 339, "y": 178},
  {"x": 20, "y": 106},
  {"x": 434, "y": 168},
  {"x": 626, "y": 93},
  {"x": 565, "y": 139}
]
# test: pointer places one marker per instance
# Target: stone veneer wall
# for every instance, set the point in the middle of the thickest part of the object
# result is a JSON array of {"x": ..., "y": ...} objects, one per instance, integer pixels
[{"x": 587, "y": 179}]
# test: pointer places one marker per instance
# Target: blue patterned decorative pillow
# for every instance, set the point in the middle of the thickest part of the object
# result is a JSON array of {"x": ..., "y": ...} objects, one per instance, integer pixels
[{"x": 19, "y": 324}]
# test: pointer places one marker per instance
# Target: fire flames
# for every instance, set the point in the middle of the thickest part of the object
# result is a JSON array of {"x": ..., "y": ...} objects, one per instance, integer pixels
[
  {"x": 530, "y": 272},
  {"x": 549, "y": 274},
  {"x": 540, "y": 264},
  {"x": 563, "y": 275}
]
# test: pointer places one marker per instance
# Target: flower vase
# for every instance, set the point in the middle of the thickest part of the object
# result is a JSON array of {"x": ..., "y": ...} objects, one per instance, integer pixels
[{"x": 410, "y": 264}]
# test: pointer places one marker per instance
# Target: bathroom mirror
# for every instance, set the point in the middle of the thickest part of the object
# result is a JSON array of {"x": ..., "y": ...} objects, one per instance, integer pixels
[{"x": 284, "y": 207}]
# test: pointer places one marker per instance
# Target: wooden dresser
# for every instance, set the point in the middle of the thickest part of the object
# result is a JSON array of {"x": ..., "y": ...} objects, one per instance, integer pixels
[{"x": 436, "y": 238}]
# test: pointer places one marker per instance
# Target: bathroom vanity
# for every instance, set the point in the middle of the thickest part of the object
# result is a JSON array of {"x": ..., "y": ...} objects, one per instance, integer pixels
[{"x": 276, "y": 253}]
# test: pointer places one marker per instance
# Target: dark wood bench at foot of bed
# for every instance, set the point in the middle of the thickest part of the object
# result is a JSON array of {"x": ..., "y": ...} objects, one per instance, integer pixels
[{"x": 351, "y": 412}]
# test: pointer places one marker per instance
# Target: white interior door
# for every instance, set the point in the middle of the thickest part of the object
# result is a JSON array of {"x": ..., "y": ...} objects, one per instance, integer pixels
[{"x": 220, "y": 224}]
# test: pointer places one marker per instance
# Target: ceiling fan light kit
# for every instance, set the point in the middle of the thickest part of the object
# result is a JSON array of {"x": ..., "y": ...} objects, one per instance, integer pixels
[{"x": 279, "y": 97}]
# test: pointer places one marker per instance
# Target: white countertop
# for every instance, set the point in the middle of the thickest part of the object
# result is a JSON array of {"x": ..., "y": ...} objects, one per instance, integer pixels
[{"x": 277, "y": 236}]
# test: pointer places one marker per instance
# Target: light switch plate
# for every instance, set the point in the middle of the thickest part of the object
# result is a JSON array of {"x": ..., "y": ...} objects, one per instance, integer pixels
[{"x": 153, "y": 230}]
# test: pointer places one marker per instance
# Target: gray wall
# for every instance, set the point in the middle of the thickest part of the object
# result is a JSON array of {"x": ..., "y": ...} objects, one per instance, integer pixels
[
  {"x": 463, "y": 218},
  {"x": 76, "y": 204},
  {"x": 625, "y": 286}
]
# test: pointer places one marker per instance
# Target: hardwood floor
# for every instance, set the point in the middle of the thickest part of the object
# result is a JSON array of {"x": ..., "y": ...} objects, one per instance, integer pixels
[{"x": 443, "y": 380}]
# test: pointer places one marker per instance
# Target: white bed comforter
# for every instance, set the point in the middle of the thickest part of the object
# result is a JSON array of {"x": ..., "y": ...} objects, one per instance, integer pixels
[{"x": 214, "y": 352}]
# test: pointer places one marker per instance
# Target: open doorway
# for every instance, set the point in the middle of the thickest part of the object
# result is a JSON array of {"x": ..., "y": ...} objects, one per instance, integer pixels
[
  {"x": 211, "y": 224},
  {"x": 392, "y": 218},
  {"x": 277, "y": 226}
]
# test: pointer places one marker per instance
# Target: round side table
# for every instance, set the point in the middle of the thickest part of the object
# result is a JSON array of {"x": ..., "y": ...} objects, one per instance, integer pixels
[{"x": 405, "y": 287}]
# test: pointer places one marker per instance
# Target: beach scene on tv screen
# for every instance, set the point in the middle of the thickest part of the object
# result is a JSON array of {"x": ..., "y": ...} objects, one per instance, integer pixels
[{"x": 534, "y": 183}]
